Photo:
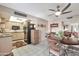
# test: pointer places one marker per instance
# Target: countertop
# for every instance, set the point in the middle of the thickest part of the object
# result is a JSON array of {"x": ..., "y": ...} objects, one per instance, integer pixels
[
  {"x": 12, "y": 31},
  {"x": 3, "y": 35}
]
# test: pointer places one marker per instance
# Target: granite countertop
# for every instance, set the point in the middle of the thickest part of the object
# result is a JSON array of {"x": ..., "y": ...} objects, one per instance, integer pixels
[
  {"x": 12, "y": 31},
  {"x": 2, "y": 35}
]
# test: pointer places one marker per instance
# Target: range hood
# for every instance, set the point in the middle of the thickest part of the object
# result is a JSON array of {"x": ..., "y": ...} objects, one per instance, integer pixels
[{"x": 20, "y": 14}]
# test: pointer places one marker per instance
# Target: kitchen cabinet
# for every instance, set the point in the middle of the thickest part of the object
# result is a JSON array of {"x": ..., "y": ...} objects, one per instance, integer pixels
[
  {"x": 2, "y": 20},
  {"x": 34, "y": 36},
  {"x": 17, "y": 35},
  {"x": 5, "y": 45}
]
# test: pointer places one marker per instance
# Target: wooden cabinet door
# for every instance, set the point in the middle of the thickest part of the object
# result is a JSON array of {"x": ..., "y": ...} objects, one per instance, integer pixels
[{"x": 34, "y": 36}]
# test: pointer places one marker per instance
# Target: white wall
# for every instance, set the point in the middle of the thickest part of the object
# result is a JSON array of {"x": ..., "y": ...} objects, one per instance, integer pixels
[
  {"x": 55, "y": 29},
  {"x": 66, "y": 21}
]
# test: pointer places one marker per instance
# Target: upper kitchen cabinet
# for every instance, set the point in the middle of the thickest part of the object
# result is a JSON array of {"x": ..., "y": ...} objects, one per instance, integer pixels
[{"x": 2, "y": 20}]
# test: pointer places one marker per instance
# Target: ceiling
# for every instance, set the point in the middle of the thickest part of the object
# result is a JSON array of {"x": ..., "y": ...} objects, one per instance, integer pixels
[{"x": 41, "y": 9}]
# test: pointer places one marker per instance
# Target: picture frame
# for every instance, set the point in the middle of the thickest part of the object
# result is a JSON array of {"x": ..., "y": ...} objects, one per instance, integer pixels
[{"x": 54, "y": 25}]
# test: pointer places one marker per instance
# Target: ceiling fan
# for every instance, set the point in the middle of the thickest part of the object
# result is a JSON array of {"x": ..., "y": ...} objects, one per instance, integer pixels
[
  {"x": 70, "y": 17},
  {"x": 60, "y": 12}
]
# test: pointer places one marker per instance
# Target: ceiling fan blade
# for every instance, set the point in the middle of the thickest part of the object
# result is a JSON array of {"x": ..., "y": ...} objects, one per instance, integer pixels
[
  {"x": 56, "y": 16},
  {"x": 50, "y": 14},
  {"x": 70, "y": 17},
  {"x": 52, "y": 10},
  {"x": 58, "y": 8},
  {"x": 66, "y": 7},
  {"x": 66, "y": 12}
]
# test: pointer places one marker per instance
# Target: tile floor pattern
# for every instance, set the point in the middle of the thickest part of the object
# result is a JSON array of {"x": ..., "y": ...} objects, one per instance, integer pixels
[{"x": 40, "y": 49}]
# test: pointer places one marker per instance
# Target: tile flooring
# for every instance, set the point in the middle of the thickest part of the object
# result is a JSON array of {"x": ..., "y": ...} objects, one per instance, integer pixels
[{"x": 40, "y": 49}]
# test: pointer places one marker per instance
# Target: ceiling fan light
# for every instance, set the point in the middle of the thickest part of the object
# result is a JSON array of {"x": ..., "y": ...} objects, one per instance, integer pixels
[{"x": 58, "y": 13}]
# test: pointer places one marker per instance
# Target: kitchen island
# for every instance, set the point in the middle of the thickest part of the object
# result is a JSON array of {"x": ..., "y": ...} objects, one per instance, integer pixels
[{"x": 5, "y": 44}]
